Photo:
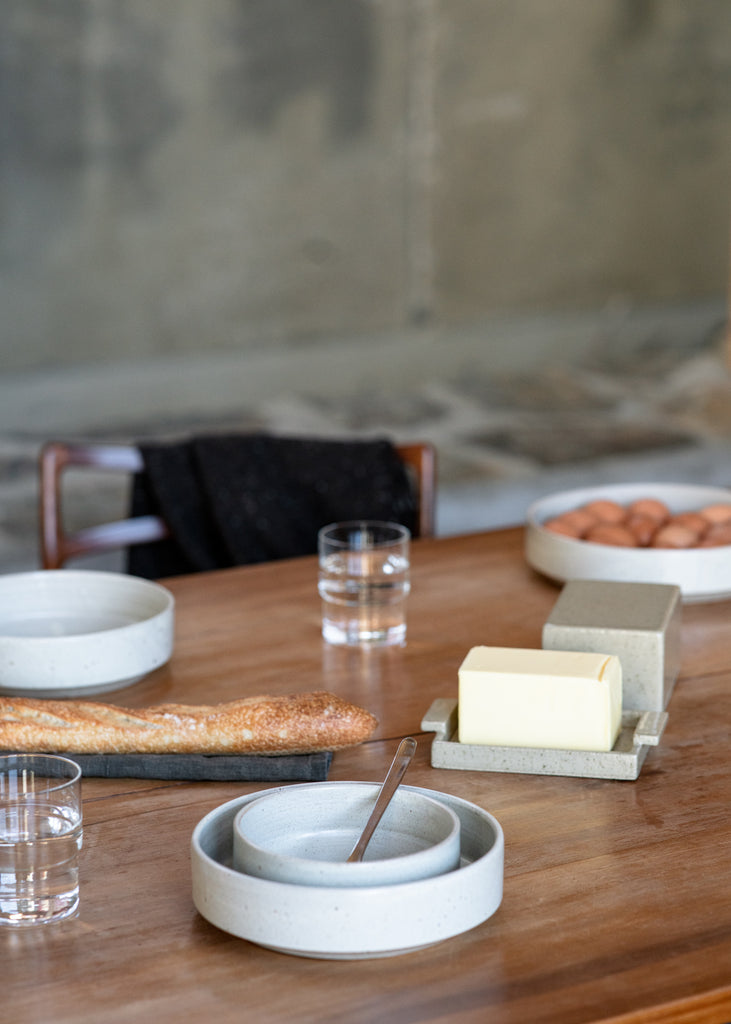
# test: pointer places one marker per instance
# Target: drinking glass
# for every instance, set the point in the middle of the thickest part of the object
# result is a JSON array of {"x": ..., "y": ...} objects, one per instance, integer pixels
[
  {"x": 40, "y": 838},
  {"x": 364, "y": 582}
]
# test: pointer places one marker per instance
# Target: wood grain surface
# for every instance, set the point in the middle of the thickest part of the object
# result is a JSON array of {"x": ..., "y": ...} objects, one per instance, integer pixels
[{"x": 617, "y": 903}]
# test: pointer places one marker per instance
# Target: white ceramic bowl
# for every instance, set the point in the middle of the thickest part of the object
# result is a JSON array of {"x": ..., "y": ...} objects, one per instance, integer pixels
[
  {"x": 703, "y": 574},
  {"x": 66, "y": 632},
  {"x": 353, "y": 923},
  {"x": 303, "y": 835}
]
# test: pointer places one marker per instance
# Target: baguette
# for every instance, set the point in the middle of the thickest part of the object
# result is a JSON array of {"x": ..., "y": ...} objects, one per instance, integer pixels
[{"x": 298, "y": 723}]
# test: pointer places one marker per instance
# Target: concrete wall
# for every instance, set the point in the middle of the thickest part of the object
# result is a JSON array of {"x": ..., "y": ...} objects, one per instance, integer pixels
[{"x": 179, "y": 176}]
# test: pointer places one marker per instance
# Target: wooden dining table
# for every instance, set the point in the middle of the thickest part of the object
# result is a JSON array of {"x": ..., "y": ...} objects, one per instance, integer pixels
[{"x": 617, "y": 894}]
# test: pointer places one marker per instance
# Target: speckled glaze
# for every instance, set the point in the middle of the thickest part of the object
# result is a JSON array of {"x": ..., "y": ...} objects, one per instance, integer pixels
[
  {"x": 305, "y": 835},
  {"x": 639, "y": 622},
  {"x": 348, "y": 923},
  {"x": 67, "y": 632},
  {"x": 640, "y": 730}
]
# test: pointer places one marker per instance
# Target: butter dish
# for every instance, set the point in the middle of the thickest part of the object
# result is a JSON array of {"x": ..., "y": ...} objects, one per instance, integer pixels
[
  {"x": 639, "y": 731},
  {"x": 638, "y": 622}
]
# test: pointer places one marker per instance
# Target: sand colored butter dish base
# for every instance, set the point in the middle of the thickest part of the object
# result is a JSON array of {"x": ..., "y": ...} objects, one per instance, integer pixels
[{"x": 640, "y": 730}]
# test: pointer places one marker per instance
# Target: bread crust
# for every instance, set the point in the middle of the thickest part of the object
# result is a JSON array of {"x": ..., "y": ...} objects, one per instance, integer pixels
[{"x": 297, "y": 723}]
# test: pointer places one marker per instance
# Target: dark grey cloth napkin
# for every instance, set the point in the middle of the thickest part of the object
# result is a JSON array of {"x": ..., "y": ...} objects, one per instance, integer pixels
[
  {"x": 207, "y": 767},
  {"x": 246, "y": 498}
]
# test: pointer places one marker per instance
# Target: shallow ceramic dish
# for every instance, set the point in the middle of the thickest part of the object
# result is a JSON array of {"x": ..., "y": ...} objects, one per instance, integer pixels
[
  {"x": 304, "y": 835},
  {"x": 66, "y": 632},
  {"x": 703, "y": 574},
  {"x": 640, "y": 731},
  {"x": 352, "y": 923}
]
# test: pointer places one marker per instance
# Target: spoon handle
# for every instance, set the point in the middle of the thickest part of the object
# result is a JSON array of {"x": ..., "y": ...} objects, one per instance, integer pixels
[{"x": 395, "y": 773}]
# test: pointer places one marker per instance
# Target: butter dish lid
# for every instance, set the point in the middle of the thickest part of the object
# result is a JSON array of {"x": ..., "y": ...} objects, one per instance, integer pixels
[{"x": 610, "y": 604}]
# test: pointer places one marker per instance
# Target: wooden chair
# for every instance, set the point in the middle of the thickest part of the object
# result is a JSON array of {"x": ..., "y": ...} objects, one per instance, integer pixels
[{"x": 58, "y": 545}]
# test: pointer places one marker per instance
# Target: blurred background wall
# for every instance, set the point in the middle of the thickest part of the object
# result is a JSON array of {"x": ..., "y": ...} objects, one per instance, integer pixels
[
  {"x": 184, "y": 177},
  {"x": 356, "y": 215}
]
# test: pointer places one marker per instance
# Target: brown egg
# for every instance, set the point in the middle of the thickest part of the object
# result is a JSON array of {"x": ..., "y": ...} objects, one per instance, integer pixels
[
  {"x": 643, "y": 528},
  {"x": 716, "y": 536},
  {"x": 719, "y": 513},
  {"x": 674, "y": 536},
  {"x": 611, "y": 533},
  {"x": 606, "y": 511},
  {"x": 692, "y": 520},
  {"x": 579, "y": 519},
  {"x": 560, "y": 526},
  {"x": 650, "y": 507}
]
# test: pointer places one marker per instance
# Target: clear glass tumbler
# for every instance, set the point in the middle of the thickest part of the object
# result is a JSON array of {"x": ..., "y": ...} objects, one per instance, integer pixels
[
  {"x": 364, "y": 582},
  {"x": 40, "y": 838}
]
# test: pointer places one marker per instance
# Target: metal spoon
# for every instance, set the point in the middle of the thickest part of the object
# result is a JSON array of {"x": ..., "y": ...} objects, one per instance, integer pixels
[{"x": 395, "y": 773}]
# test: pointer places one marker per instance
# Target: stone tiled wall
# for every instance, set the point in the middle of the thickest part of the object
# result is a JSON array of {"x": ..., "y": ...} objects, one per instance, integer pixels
[{"x": 179, "y": 176}]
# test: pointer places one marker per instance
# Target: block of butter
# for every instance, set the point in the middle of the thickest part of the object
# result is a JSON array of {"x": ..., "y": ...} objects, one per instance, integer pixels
[{"x": 514, "y": 697}]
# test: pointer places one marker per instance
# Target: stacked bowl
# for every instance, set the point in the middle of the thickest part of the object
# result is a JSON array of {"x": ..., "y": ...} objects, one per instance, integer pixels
[{"x": 272, "y": 868}]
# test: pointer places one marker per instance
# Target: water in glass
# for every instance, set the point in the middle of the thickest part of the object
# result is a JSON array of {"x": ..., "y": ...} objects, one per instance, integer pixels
[
  {"x": 39, "y": 873},
  {"x": 364, "y": 595}
]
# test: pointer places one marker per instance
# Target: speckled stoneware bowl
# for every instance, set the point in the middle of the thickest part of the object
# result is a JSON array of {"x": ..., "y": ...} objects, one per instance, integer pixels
[
  {"x": 67, "y": 632},
  {"x": 703, "y": 574},
  {"x": 304, "y": 835},
  {"x": 353, "y": 923}
]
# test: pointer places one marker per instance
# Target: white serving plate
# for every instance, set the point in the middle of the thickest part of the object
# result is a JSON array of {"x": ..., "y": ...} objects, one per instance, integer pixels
[
  {"x": 703, "y": 574},
  {"x": 348, "y": 923},
  {"x": 66, "y": 632},
  {"x": 640, "y": 730}
]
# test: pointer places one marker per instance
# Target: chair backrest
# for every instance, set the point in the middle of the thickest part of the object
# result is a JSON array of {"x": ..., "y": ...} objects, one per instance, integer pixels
[{"x": 58, "y": 545}]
